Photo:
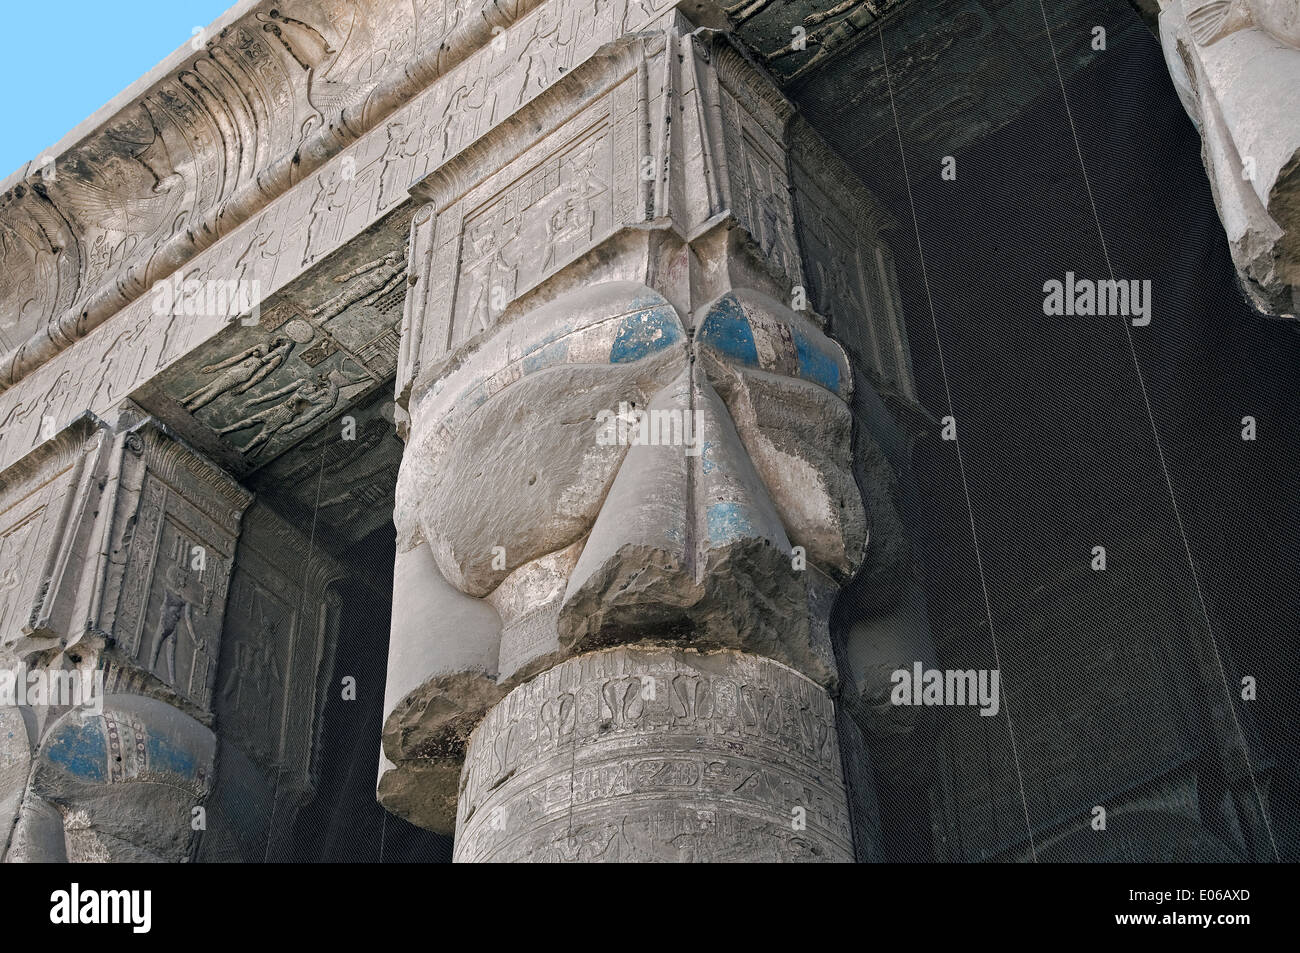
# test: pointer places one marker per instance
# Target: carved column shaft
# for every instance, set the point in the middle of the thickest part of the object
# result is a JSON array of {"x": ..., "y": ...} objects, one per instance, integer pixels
[{"x": 628, "y": 495}]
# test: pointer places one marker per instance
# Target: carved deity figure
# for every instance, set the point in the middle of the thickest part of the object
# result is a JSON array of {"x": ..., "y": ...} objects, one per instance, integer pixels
[
  {"x": 400, "y": 147},
  {"x": 486, "y": 274},
  {"x": 301, "y": 404},
  {"x": 256, "y": 677},
  {"x": 323, "y": 207},
  {"x": 176, "y": 614},
  {"x": 239, "y": 373},
  {"x": 377, "y": 278},
  {"x": 456, "y": 124},
  {"x": 540, "y": 55}
]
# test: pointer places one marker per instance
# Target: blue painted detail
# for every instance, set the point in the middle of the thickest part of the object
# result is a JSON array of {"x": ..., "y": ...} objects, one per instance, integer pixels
[
  {"x": 705, "y": 461},
  {"x": 556, "y": 352},
  {"x": 164, "y": 757},
  {"x": 643, "y": 334},
  {"x": 477, "y": 397},
  {"x": 728, "y": 522},
  {"x": 564, "y": 330},
  {"x": 79, "y": 748},
  {"x": 815, "y": 364},
  {"x": 726, "y": 329}
]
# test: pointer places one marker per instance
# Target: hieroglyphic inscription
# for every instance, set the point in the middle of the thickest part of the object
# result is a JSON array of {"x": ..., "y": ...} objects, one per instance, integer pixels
[
  {"x": 656, "y": 754},
  {"x": 310, "y": 220}
]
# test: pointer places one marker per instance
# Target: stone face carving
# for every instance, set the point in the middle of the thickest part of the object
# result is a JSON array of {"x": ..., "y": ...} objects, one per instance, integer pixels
[
  {"x": 559, "y": 271},
  {"x": 124, "y": 586},
  {"x": 1236, "y": 66},
  {"x": 120, "y": 786},
  {"x": 606, "y": 209}
]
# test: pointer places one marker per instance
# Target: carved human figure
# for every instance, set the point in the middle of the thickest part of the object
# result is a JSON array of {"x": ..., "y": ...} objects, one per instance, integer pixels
[
  {"x": 487, "y": 272},
  {"x": 301, "y": 403},
  {"x": 257, "y": 671},
  {"x": 239, "y": 373},
  {"x": 122, "y": 361},
  {"x": 540, "y": 54},
  {"x": 392, "y": 178},
  {"x": 175, "y": 614},
  {"x": 323, "y": 208},
  {"x": 456, "y": 122},
  {"x": 377, "y": 277},
  {"x": 570, "y": 216},
  {"x": 253, "y": 255}
]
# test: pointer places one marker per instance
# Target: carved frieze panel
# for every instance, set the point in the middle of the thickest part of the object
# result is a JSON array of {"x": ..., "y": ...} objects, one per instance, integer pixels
[
  {"x": 47, "y": 505},
  {"x": 278, "y": 251},
  {"x": 278, "y": 644},
  {"x": 656, "y": 755},
  {"x": 117, "y": 550},
  {"x": 347, "y": 101},
  {"x": 172, "y": 520},
  {"x": 746, "y": 123},
  {"x": 849, "y": 268}
]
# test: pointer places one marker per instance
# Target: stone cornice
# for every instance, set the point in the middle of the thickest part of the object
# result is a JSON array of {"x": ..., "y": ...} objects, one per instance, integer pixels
[{"x": 184, "y": 157}]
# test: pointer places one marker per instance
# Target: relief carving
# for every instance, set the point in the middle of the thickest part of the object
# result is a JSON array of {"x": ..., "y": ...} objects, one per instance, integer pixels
[
  {"x": 595, "y": 543},
  {"x": 238, "y": 126},
  {"x": 240, "y": 373},
  {"x": 1236, "y": 67},
  {"x": 568, "y": 766}
]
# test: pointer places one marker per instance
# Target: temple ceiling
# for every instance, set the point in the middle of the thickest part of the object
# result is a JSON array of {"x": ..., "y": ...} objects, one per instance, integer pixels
[{"x": 958, "y": 70}]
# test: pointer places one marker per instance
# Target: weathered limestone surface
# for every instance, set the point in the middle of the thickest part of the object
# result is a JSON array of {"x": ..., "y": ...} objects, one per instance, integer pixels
[
  {"x": 124, "y": 545},
  {"x": 1236, "y": 66},
  {"x": 653, "y": 232},
  {"x": 531, "y": 220},
  {"x": 639, "y": 755}
]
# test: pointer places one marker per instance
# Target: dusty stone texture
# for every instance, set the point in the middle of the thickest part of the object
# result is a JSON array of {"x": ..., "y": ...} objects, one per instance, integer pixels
[
  {"x": 126, "y": 783},
  {"x": 1236, "y": 67},
  {"x": 558, "y": 292},
  {"x": 530, "y": 215},
  {"x": 117, "y": 557},
  {"x": 15, "y": 765},
  {"x": 269, "y": 98},
  {"x": 650, "y": 754}
]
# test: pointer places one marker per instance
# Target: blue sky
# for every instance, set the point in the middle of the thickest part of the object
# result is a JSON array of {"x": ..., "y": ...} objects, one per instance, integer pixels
[{"x": 60, "y": 60}]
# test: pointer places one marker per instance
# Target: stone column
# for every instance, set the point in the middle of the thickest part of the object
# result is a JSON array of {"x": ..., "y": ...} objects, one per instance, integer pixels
[
  {"x": 1236, "y": 67},
  {"x": 628, "y": 495},
  {"x": 117, "y": 552}
]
